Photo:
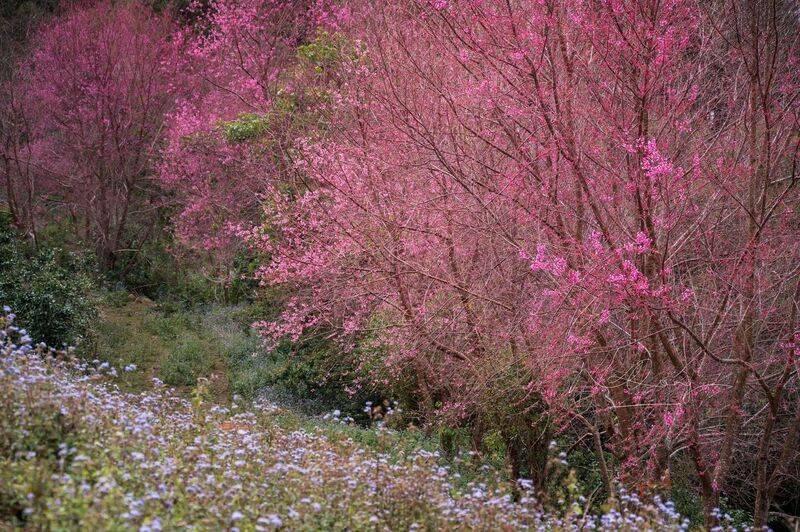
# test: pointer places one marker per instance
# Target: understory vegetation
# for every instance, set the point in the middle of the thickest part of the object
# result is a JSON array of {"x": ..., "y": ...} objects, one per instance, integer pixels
[{"x": 76, "y": 451}]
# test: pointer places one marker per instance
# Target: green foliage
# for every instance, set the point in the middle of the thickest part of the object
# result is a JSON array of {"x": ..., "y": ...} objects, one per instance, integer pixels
[
  {"x": 583, "y": 461},
  {"x": 687, "y": 499},
  {"x": 251, "y": 126},
  {"x": 155, "y": 271},
  {"x": 246, "y": 127},
  {"x": 48, "y": 289},
  {"x": 324, "y": 51},
  {"x": 312, "y": 374},
  {"x": 190, "y": 360},
  {"x": 248, "y": 371},
  {"x": 177, "y": 345},
  {"x": 284, "y": 105},
  {"x": 683, "y": 493},
  {"x": 289, "y": 367},
  {"x": 16, "y": 17},
  {"x": 182, "y": 282}
]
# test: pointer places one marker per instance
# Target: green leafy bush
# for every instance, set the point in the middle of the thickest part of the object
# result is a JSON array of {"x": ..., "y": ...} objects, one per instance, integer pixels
[
  {"x": 191, "y": 360},
  {"x": 246, "y": 127},
  {"x": 312, "y": 374},
  {"x": 48, "y": 289},
  {"x": 325, "y": 50}
]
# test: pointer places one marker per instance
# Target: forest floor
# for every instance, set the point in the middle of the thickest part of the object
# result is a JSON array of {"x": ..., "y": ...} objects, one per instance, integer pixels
[{"x": 105, "y": 444}]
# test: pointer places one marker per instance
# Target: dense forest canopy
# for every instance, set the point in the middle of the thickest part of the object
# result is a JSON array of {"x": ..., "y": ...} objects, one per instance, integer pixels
[{"x": 526, "y": 220}]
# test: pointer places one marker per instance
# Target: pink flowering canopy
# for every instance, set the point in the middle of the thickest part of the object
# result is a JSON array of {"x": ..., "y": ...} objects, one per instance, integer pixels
[
  {"x": 598, "y": 194},
  {"x": 228, "y": 139},
  {"x": 88, "y": 103}
]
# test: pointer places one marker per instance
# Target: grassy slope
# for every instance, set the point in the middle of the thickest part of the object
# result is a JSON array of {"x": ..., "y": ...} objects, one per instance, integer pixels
[
  {"x": 205, "y": 357},
  {"x": 175, "y": 346},
  {"x": 137, "y": 331},
  {"x": 76, "y": 452}
]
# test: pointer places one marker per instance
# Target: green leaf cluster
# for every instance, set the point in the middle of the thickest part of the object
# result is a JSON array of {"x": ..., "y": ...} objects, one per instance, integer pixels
[{"x": 49, "y": 289}]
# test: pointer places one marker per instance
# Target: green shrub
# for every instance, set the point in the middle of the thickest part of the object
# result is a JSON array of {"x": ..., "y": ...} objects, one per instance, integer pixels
[
  {"x": 248, "y": 371},
  {"x": 325, "y": 51},
  {"x": 180, "y": 282},
  {"x": 48, "y": 289},
  {"x": 246, "y": 127},
  {"x": 191, "y": 360},
  {"x": 312, "y": 374}
]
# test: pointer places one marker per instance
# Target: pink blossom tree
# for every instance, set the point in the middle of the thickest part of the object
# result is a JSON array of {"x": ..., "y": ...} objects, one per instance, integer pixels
[
  {"x": 91, "y": 97},
  {"x": 19, "y": 169},
  {"x": 598, "y": 195},
  {"x": 229, "y": 139}
]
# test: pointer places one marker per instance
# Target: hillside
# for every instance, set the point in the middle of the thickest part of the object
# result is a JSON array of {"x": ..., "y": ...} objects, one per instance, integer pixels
[
  {"x": 76, "y": 452},
  {"x": 440, "y": 264}
]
